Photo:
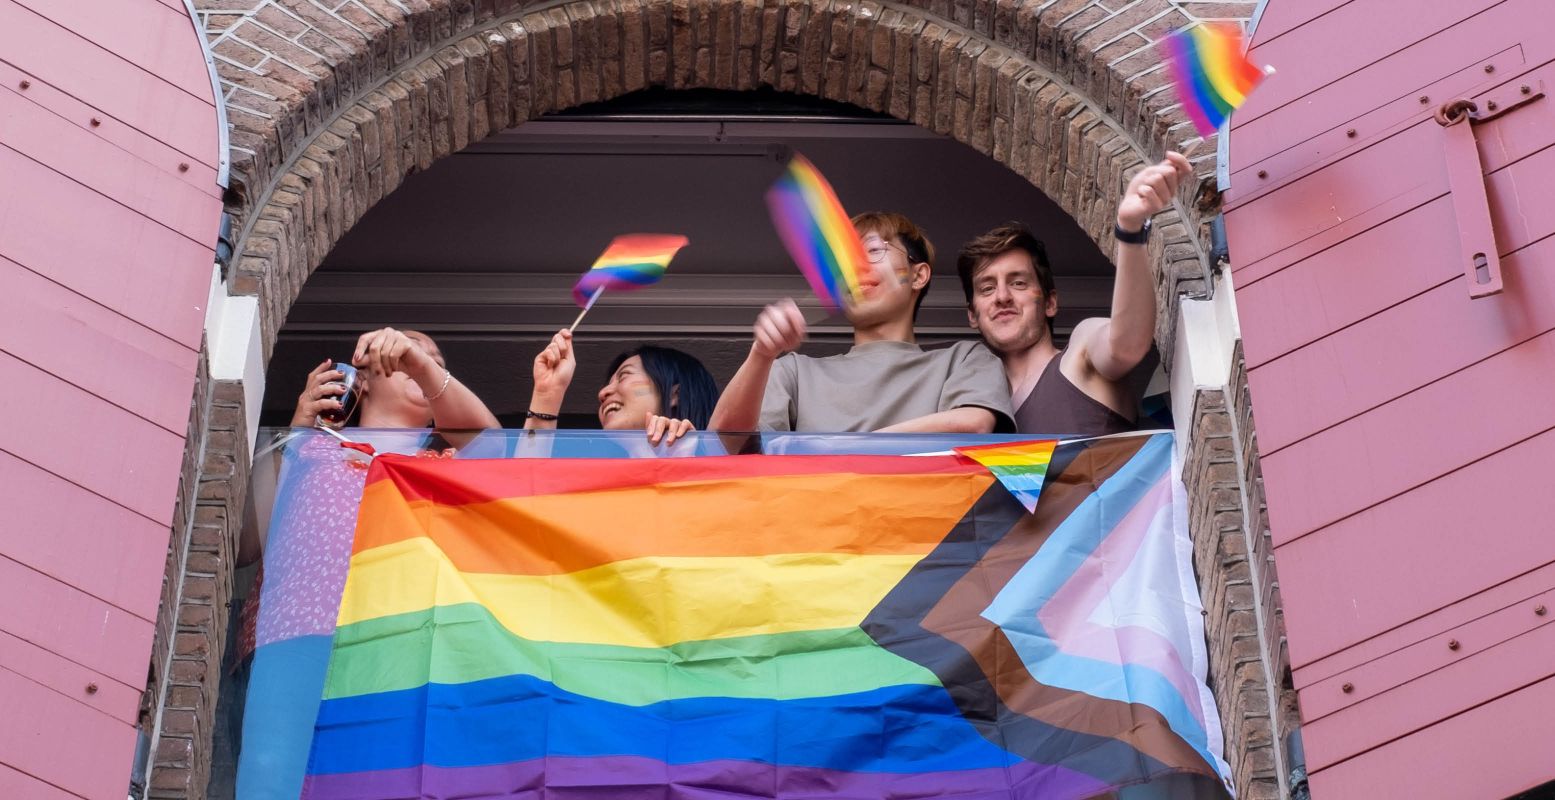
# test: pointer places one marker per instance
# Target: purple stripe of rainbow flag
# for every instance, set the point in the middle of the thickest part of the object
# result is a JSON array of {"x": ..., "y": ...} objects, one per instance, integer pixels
[
  {"x": 1211, "y": 72},
  {"x": 632, "y": 261},
  {"x": 581, "y": 776},
  {"x": 817, "y": 232}
]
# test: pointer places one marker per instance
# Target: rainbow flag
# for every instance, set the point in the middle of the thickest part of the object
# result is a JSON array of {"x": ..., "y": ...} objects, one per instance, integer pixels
[
  {"x": 767, "y": 627},
  {"x": 1021, "y": 467},
  {"x": 1211, "y": 72},
  {"x": 817, "y": 232},
  {"x": 631, "y": 261}
]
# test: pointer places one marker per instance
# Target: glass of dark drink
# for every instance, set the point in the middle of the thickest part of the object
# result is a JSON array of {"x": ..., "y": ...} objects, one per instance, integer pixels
[{"x": 336, "y": 417}]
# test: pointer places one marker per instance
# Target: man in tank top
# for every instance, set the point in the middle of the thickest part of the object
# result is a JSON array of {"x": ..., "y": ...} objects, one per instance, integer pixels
[{"x": 1092, "y": 387}]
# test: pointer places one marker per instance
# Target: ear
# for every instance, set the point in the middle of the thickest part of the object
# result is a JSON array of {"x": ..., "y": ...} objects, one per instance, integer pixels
[
  {"x": 921, "y": 272},
  {"x": 1051, "y": 305},
  {"x": 971, "y": 318},
  {"x": 674, "y": 403}
]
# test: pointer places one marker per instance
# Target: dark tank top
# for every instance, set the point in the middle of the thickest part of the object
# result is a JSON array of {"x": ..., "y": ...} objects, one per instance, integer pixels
[{"x": 1057, "y": 406}]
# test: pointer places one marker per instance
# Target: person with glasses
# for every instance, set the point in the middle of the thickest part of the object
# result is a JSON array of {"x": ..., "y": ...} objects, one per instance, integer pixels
[
  {"x": 1092, "y": 386},
  {"x": 886, "y": 382}
]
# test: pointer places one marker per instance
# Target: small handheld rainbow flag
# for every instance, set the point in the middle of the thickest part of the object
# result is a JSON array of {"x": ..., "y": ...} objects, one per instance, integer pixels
[
  {"x": 631, "y": 261},
  {"x": 1211, "y": 71},
  {"x": 1021, "y": 467},
  {"x": 817, "y": 232}
]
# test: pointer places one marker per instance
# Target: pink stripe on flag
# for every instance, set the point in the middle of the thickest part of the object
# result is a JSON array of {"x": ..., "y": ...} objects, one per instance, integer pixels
[{"x": 1066, "y": 615}]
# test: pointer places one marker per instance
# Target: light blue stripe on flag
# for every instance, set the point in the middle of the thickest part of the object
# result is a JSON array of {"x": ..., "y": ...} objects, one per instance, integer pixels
[{"x": 1015, "y": 608}]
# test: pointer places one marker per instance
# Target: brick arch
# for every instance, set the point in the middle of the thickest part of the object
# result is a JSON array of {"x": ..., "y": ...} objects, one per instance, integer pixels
[{"x": 332, "y": 104}]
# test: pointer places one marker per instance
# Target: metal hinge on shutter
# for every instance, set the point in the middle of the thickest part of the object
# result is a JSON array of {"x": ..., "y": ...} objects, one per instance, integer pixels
[{"x": 1466, "y": 180}]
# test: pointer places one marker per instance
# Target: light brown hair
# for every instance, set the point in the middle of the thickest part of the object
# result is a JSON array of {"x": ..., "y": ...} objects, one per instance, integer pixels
[
  {"x": 894, "y": 227},
  {"x": 1007, "y": 238}
]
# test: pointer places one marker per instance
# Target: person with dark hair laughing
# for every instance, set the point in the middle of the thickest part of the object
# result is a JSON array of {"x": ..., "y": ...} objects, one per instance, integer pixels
[{"x": 660, "y": 390}]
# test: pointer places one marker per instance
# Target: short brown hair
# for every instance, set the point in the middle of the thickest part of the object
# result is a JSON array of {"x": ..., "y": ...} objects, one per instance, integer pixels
[
  {"x": 1006, "y": 238},
  {"x": 891, "y": 225}
]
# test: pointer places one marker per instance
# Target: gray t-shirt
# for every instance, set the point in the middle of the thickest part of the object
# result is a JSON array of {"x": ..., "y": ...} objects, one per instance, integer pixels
[{"x": 882, "y": 383}]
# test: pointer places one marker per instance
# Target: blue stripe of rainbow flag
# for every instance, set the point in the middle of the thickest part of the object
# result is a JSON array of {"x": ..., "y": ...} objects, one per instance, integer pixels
[{"x": 518, "y": 718}]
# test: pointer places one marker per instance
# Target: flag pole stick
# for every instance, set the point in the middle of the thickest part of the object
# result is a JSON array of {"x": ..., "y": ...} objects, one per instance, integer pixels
[{"x": 586, "y": 307}]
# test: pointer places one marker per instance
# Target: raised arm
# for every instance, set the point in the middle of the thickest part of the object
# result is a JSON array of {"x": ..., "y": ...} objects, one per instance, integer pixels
[
  {"x": 553, "y": 371},
  {"x": 779, "y": 328},
  {"x": 454, "y": 406},
  {"x": 1119, "y": 343}
]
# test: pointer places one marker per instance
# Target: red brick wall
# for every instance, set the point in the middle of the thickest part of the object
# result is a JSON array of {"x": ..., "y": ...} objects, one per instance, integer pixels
[
  {"x": 193, "y": 618},
  {"x": 1228, "y": 519},
  {"x": 331, "y": 110}
]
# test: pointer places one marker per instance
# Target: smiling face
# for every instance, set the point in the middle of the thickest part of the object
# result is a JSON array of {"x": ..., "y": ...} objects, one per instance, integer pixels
[
  {"x": 1008, "y": 306},
  {"x": 888, "y": 286},
  {"x": 630, "y": 396}
]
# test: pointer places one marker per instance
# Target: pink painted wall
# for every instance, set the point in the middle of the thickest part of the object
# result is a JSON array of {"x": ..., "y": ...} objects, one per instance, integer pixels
[
  {"x": 108, "y": 216},
  {"x": 1406, "y": 430}
]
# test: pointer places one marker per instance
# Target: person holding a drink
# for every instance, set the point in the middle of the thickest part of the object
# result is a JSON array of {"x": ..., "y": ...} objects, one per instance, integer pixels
[{"x": 398, "y": 379}]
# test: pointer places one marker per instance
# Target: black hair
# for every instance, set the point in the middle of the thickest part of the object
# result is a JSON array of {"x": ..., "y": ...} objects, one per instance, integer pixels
[{"x": 686, "y": 389}]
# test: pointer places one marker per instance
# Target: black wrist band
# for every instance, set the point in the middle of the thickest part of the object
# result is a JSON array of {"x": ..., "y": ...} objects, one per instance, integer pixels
[
  {"x": 539, "y": 416},
  {"x": 1132, "y": 237}
]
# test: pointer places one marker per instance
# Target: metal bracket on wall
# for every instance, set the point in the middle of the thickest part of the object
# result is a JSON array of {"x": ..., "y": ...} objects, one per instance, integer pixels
[{"x": 1466, "y": 180}]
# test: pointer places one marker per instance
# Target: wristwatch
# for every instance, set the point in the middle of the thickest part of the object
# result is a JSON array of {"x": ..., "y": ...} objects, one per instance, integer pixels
[{"x": 1132, "y": 237}]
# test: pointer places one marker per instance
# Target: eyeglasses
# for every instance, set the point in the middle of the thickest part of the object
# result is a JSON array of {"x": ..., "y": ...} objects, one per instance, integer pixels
[{"x": 876, "y": 251}]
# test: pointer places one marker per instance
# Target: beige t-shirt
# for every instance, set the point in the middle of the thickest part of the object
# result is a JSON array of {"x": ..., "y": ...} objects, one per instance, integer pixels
[{"x": 882, "y": 383}]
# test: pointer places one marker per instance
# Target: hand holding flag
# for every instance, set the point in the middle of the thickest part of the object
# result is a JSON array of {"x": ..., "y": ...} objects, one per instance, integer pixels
[{"x": 1152, "y": 189}]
